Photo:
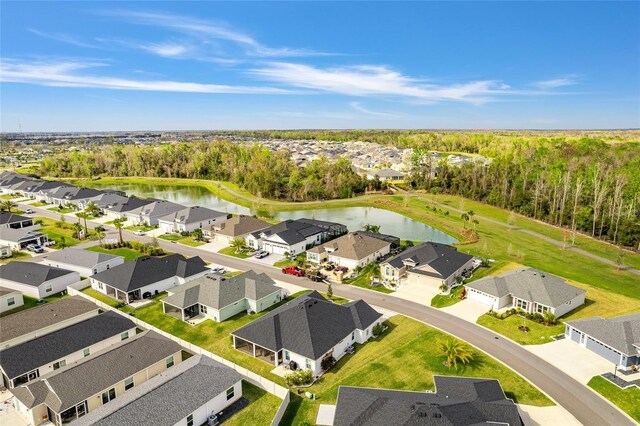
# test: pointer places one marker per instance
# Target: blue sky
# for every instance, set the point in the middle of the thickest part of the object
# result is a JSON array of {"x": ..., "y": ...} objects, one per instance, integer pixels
[{"x": 86, "y": 66}]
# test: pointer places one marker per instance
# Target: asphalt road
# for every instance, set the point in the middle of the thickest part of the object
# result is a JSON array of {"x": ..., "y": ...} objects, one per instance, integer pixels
[{"x": 583, "y": 403}]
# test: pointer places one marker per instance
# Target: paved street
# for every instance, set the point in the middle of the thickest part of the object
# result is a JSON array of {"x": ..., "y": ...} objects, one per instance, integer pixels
[{"x": 583, "y": 403}]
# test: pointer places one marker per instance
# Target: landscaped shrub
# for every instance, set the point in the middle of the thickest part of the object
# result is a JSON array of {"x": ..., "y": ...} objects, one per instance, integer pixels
[
  {"x": 299, "y": 378},
  {"x": 184, "y": 233},
  {"x": 378, "y": 329},
  {"x": 547, "y": 319},
  {"x": 327, "y": 363}
]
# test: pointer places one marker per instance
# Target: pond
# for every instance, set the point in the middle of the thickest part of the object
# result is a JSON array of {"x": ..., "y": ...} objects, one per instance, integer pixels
[{"x": 353, "y": 217}]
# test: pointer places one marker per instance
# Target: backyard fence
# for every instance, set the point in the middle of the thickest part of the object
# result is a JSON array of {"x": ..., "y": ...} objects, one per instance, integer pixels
[{"x": 273, "y": 388}]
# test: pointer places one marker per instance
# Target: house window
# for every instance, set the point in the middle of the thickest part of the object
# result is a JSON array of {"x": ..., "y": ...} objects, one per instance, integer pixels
[
  {"x": 190, "y": 420},
  {"x": 128, "y": 383},
  {"x": 541, "y": 309},
  {"x": 308, "y": 364},
  {"x": 86, "y": 352},
  {"x": 48, "y": 288},
  {"x": 203, "y": 309},
  {"x": 230, "y": 393},
  {"x": 59, "y": 364},
  {"x": 287, "y": 356},
  {"x": 109, "y": 395},
  {"x": 522, "y": 304},
  {"x": 11, "y": 301},
  {"x": 81, "y": 409},
  {"x": 100, "y": 286},
  {"x": 169, "y": 361},
  {"x": 124, "y": 336}
]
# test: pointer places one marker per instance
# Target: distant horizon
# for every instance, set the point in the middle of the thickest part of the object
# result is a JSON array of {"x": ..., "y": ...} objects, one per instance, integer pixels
[{"x": 70, "y": 66}]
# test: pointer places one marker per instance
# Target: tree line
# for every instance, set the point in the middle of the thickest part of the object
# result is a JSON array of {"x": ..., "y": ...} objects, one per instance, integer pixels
[{"x": 252, "y": 167}]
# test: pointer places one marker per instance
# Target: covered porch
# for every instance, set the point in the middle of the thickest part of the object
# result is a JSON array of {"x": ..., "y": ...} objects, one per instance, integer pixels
[
  {"x": 190, "y": 314},
  {"x": 256, "y": 351}
]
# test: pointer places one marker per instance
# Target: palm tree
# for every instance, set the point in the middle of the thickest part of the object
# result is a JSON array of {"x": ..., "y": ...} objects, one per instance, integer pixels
[
  {"x": 465, "y": 218},
  {"x": 475, "y": 222},
  {"x": 100, "y": 233},
  {"x": 455, "y": 351},
  {"x": 92, "y": 209},
  {"x": 371, "y": 228},
  {"x": 77, "y": 227},
  {"x": 238, "y": 244},
  {"x": 119, "y": 224},
  {"x": 8, "y": 205},
  {"x": 197, "y": 234},
  {"x": 83, "y": 216}
]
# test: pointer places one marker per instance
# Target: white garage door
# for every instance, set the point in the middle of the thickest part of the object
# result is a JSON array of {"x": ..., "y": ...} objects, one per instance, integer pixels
[{"x": 482, "y": 298}]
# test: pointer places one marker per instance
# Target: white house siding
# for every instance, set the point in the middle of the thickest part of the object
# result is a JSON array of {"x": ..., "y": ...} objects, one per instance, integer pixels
[
  {"x": 278, "y": 246},
  {"x": 57, "y": 285},
  {"x": 166, "y": 227},
  {"x": 424, "y": 280},
  {"x": 483, "y": 298},
  {"x": 233, "y": 309},
  {"x": 215, "y": 405},
  {"x": 570, "y": 305},
  {"x": 49, "y": 329},
  {"x": 86, "y": 271},
  {"x": 18, "y": 301},
  {"x": 159, "y": 286},
  {"x": 266, "y": 302}
]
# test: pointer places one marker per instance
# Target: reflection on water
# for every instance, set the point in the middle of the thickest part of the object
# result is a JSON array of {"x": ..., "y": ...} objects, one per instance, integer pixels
[{"x": 354, "y": 217}]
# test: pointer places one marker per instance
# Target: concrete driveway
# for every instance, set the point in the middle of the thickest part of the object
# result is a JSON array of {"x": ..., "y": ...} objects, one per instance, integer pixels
[
  {"x": 214, "y": 246},
  {"x": 468, "y": 310},
  {"x": 543, "y": 416},
  {"x": 573, "y": 359},
  {"x": 417, "y": 293}
]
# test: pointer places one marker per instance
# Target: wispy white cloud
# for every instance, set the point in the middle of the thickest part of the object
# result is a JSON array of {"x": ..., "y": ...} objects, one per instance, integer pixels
[
  {"x": 212, "y": 30},
  {"x": 568, "y": 80},
  {"x": 167, "y": 50},
  {"x": 370, "y": 80},
  {"x": 358, "y": 107},
  {"x": 64, "y": 38},
  {"x": 67, "y": 74}
]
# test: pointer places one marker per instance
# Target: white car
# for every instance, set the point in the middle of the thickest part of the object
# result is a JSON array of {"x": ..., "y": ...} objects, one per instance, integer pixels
[
  {"x": 139, "y": 232},
  {"x": 29, "y": 211}
]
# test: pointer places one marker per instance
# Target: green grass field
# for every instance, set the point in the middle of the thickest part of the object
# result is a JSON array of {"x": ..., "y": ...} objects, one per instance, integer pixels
[
  {"x": 628, "y": 400},
  {"x": 15, "y": 255},
  {"x": 63, "y": 210},
  {"x": 231, "y": 251},
  {"x": 261, "y": 409},
  {"x": 127, "y": 253},
  {"x": 55, "y": 233},
  {"x": 187, "y": 241},
  {"x": 363, "y": 281},
  {"x": 444, "y": 300},
  {"x": 537, "y": 334}
]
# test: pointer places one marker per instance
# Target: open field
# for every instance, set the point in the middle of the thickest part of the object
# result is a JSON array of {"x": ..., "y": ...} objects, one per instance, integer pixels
[{"x": 628, "y": 400}]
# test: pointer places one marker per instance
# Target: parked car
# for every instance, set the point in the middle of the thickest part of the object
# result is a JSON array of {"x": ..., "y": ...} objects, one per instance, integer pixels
[
  {"x": 217, "y": 269},
  {"x": 261, "y": 254},
  {"x": 317, "y": 277},
  {"x": 293, "y": 270},
  {"x": 139, "y": 232},
  {"x": 329, "y": 267},
  {"x": 36, "y": 248},
  {"x": 29, "y": 211},
  {"x": 341, "y": 269},
  {"x": 146, "y": 295}
]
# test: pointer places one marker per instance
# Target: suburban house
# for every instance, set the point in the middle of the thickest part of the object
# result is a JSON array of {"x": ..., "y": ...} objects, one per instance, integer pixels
[
  {"x": 191, "y": 218},
  {"x": 529, "y": 289},
  {"x": 5, "y": 251},
  {"x": 146, "y": 276},
  {"x": 294, "y": 236},
  {"x": 391, "y": 239},
  {"x": 350, "y": 250},
  {"x": 14, "y": 221},
  {"x": 47, "y": 318},
  {"x": 236, "y": 227},
  {"x": 85, "y": 262},
  {"x": 18, "y": 239},
  {"x": 615, "y": 339},
  {"x": 386, "y": 174},
  {"x": 74, "y": 390},
  {"x": 58, "y": 196},
  {"x": 35, "y": 279},
  {"x": 10, "y": 299},
  {"x": 429, "y": 264},
  {"x": 8, "y": 180},
  {"x": 457, "y": 401},
  {"x": 39, "y": 189},
  {"x": 203, "y": 385},
  {"x": 119, "y": 208},
  {"x": 29, "y": 360},
  {"x": 307, "y": 330},
  {"x": 79, "y": 197},
  {"x": 218, "y": 298},
  {"x": 150, "y": 213},
  {"x": 107, "y": 199}
]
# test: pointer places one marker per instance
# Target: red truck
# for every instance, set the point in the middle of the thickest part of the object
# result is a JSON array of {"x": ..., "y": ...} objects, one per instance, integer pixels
[{"x": 293, "y": 270}]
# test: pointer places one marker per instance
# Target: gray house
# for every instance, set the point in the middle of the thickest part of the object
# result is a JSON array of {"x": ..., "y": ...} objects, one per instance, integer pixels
[
  {"x": 190, "y": 218},
  {"x": 457, "y": 401},
  {"x": 529, "y": 289},
  {"x": 20, "y": 238},
  {"x": 219, "y": 298},
  {"x": 35, "y": 279},
  {"x": 150, "y": 213},
  {"x": 203, "y": 385},
  {"x": 615, "y": 339}
]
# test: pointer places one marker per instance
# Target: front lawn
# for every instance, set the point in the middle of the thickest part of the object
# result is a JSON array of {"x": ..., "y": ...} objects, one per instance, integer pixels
[
  {"x": 63, "y": 210},
  {"x": 57, "y": 233},
  {"x": 284, "y": 263},
  {"x": 127, "y": 253},
  {"x": 39, "y": 204},
  {"x": 628, "y": 400},
  {"x": 15, "y": 255},
  {"x": 444, "y": 300},
  {"x": 363, "y": 281},
  {"x": 403, "y": 359},
  {"x": 231, "y": 251},
  {"x": 261, "y": 410},
  {"x": 187, "y": 241},
  {"x": 508, "y": 327},
  {"x": 142, "y": 228}
]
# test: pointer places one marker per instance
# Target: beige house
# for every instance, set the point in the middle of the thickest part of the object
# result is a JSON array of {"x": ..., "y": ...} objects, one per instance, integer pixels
[
  {"x": 350, "y": 250},
  {"x": 236, "y": 227},
  {"x": 79, "y": 388}
]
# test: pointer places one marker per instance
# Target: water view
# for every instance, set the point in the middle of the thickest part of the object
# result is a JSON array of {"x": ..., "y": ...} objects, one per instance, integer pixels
[{"x": 354, "y": 217}]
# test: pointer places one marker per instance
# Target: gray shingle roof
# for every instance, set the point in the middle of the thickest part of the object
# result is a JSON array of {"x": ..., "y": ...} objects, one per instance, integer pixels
[
  {"x": 76, "y": 382},
  {"x": 20, "y": 234},
  {"x": 22, "y": 358},
  {"x": 217, "y": 291},
  {"x": 193, "y": 214},
  {"x": 354, "y": 246},
  {"x": 130, "y": 204},
  {"x": 147, "y": 270},
  {"x": 458, "y": 402},
  {"x": 309, "y": 325},
  {"x": 529, "y": 284},
  {"x": 240, "y": 225},
  {"x": 386, "y": 173},
  {"x": 621, "y": 333},
  {"x": 168, "y": 397},
  {"x": 291, "y": 231},
  {"x": 158, "y": 208},
  {"x": 78, "y": 257},
  {"x": 30, "y": 273},
  {"x": 6, "y": 217},
  {"x": 444, "y": 259},
  {"x": 4, "y": 291},
  {"x": 34, "y": 319}
]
